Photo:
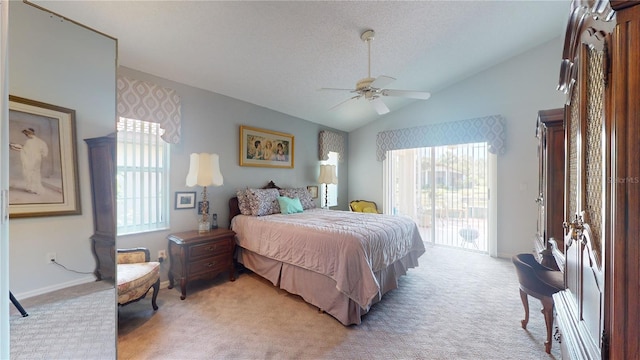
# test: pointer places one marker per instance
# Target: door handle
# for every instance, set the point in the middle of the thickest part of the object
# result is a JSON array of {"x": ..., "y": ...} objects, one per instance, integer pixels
[{"x": 574, "y": 229}]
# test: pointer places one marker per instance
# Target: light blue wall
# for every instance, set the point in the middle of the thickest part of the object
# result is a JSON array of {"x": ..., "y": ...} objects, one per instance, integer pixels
[
  {"x": 60, "y": 63},
  {"x": 210, "y": 123},
  {"x": 516, "y": 89}
]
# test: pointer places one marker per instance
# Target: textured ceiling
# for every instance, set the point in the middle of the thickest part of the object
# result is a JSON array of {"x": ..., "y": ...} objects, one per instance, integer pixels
[{"x": 277, "y": 54}]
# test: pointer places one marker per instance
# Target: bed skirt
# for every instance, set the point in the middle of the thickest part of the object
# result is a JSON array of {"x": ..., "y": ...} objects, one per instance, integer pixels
[{"x": 320, "y": 290}]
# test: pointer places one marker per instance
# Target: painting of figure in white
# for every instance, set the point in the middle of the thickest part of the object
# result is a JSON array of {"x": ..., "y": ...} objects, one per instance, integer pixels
[
  {"x": 31, "y": 154},
  {"x": 42, "y": 168}
]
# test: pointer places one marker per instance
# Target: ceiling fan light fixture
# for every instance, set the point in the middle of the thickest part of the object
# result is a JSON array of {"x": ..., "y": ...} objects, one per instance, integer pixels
[{"x": 373, "y": 89}]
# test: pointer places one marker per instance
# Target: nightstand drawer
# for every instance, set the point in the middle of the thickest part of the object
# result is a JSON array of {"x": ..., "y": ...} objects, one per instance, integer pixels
[
  {"x": 209, "y": 249},
  {"x": 216, "y": 263}
]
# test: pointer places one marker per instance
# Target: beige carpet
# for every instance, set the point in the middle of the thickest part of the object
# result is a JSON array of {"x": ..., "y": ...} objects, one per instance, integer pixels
[
  {"x": 74, "y": 323},
  {"x": 456, "y": 305}
]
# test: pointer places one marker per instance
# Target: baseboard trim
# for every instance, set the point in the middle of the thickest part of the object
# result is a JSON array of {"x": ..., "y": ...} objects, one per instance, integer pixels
[{"x": 48, "y": 289}]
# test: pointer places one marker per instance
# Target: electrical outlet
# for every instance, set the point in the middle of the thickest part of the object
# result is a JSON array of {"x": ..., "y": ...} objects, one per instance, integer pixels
[
  {"x": 51, "y": 258},
  {"x": 162, "y": 254}
]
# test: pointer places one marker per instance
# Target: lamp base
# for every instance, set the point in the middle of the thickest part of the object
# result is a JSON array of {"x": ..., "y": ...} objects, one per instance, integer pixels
[{"x": 204, "y": 226}]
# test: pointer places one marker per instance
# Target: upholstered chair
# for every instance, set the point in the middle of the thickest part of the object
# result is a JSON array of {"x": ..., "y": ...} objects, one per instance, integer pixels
[
  {"x": 364, "y": 206},
  {"x": 136, "y": 275},
  {"x": 540, "y": 282}
]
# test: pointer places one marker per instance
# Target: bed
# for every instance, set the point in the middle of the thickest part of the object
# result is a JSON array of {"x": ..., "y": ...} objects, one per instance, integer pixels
[{"x": 339, "y": 261}]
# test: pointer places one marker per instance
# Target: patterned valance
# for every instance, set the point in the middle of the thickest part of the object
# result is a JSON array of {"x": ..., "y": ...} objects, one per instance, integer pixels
[
  {"x": 330, "y": 141},
  {"x": 490, "y": 129},
  {"x": 145, "y": 101}
]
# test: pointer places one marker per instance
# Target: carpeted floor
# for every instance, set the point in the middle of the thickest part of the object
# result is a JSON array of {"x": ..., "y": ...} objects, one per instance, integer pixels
[
  {"x": 73, "y": 323},
  {"x": 456, "y": 305}
]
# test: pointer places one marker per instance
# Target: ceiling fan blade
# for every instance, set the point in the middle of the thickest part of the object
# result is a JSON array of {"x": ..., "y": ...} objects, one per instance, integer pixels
[
  {"x": 379, "y": 106},
  {"x": 382, "y": 81},
  {"x": 423, "y": 95},
  {"x": 346, "y": 101},
  {"x": 334, "y": 89}
]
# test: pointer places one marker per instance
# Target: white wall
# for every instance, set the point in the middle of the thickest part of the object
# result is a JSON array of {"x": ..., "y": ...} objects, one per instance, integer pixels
[
  {"x": 516, "y": 89},
  {"x": 210, "y": 123},
  {"x": 61, "y": 63}
]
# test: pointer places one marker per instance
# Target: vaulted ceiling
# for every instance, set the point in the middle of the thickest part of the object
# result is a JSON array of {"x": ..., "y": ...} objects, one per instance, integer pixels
[{"x": 277, "y": 54}]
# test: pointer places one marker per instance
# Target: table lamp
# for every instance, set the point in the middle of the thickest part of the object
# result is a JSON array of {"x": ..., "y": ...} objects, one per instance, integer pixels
[
  {"x": 204, "y": 170},
  {"x": 327, "y": 176}
]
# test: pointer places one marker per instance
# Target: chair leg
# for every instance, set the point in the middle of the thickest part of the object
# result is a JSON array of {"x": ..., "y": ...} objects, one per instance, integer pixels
[
  {"x": 547, "y": 310},
  {"x": 525, "y": 303},
  {"x": 156, "y": 288}
]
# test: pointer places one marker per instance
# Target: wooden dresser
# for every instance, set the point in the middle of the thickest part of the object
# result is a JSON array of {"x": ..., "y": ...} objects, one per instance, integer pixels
[
  {"x": 102, "y": 168},
  {"x": 195, "y": 255},
  {"x": 549, "y": 242}
]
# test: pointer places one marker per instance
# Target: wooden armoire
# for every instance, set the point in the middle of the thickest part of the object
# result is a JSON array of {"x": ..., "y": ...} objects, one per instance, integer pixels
[
  {"x": 598, "y": 315},
  {"x": 549, "y": 241},
  {"x": 102, "y": 168}
]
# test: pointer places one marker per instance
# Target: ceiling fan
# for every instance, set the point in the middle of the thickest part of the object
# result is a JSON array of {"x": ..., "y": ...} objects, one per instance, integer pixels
[{"x": 372, "y": 89}]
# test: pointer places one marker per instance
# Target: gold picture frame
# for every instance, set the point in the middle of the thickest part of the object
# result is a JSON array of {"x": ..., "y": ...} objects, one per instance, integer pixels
[
  {"x": 266, "y": 148},
  {"x": 43, "y": 168}
]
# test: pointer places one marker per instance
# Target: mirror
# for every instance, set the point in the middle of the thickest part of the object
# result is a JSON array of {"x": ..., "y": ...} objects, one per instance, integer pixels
[{"x": 56, "y": 61}]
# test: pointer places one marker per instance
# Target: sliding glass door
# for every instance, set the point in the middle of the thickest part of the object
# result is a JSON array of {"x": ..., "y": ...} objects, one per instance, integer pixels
[{"x": 445, "y": 189}]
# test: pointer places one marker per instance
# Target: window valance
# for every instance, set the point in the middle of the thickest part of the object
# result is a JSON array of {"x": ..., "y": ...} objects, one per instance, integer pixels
[
  {"x": 149, "y": 102},
  {"x": 330, "y": 141},
  {"x": 490, "y": 129}
]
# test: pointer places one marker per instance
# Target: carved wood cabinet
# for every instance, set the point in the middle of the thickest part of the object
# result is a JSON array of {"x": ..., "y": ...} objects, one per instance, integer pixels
[
  {"x": 599, "y": 313},
  {"x": 102, "y": 169},
  {"x": 550, "y": 135}
]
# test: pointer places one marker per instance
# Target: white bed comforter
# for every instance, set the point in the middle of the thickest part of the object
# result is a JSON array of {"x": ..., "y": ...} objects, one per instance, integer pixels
[{"x": 346, "y": 246}]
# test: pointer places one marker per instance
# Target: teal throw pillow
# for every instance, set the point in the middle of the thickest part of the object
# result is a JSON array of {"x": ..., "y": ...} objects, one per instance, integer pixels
[{"x": 289, "y": 205}]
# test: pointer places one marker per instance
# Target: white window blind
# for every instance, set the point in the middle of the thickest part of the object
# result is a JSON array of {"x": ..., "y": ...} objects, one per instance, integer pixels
[{"x": 142, "y": 186}]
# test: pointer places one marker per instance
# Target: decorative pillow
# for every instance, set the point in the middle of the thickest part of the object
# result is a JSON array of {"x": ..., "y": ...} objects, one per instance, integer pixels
[
  {"x": 263, "y": 201},
  {"x": 289, "y": 205},
  {"x": 243, "y": 203},
  {"x": 301, "y": 193},
  {"x": 364, "y": 206}
]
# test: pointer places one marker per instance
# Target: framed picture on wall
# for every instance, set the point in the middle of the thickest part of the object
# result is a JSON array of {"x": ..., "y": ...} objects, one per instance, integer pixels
[
  {"x": 266, "y": 148},
  {"x": 185, "y": 199},
  {"x": 43, "y": 168}
]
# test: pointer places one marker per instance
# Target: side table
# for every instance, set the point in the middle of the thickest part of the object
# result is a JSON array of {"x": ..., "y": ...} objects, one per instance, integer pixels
[{"x": 195, "y": 255}]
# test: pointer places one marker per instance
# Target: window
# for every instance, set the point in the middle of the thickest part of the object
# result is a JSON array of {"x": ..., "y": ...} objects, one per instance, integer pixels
[
  {"x": 332, "y": 189},
  {"x": 142, "y": 185}
]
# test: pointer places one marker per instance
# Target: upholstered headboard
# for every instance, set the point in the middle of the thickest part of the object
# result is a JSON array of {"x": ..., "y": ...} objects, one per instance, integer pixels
[{"x": 234, "y": 208}]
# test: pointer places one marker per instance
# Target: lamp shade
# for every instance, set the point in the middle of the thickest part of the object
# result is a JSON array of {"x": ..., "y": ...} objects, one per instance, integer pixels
[
  {"x": 204, "y": 170},
  {"x": 328, "y": 174}
]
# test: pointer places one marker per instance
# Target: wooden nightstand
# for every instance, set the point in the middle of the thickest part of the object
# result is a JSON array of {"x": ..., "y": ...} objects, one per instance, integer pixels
[{"x": 196, "y": 255}]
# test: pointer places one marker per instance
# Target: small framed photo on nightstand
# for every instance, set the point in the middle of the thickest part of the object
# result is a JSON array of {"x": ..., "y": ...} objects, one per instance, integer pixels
[
  {"x": 185, "y": 199},
  {"x": 313, "y": 190}
]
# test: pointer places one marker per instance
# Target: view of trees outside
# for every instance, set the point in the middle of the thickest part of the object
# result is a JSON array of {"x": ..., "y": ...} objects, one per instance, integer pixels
[{"x": 445, "y": 190}]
